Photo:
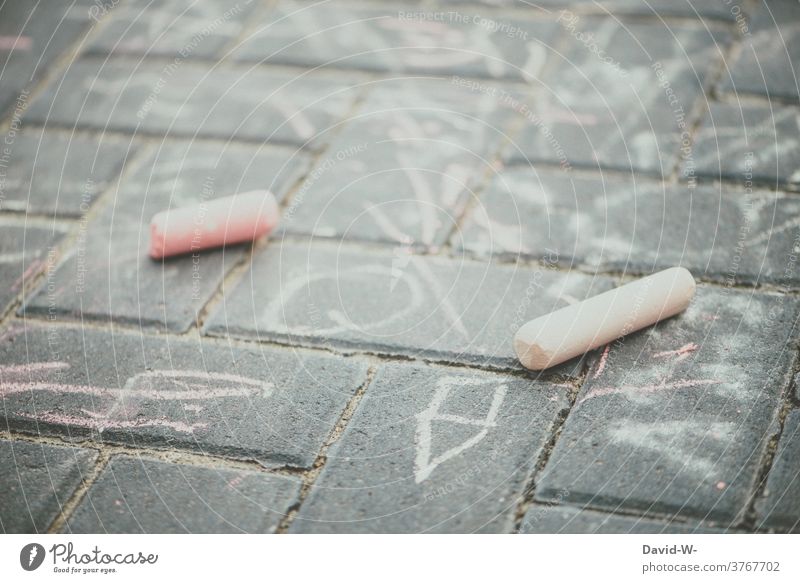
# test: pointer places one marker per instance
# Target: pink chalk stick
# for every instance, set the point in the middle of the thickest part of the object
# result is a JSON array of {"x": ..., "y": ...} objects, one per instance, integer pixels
[{"x": 224, "y": 221}]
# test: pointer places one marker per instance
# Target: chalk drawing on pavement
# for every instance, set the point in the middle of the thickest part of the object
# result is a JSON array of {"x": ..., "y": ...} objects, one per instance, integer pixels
[
  {"x": 118, "y": 407},
  {"x": 425, "y": 464}
]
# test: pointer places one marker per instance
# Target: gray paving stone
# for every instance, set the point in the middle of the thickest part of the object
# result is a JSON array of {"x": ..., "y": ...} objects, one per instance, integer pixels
[
  {"x": 394, "y": 303},
  {"x": 191, "y": 99},
  {"x": 748, "y": 144},
  {"x": 60, "y": 174},
  {"x": 36, "y": 481},
  {"x": 26, "y": 250},
  {"x": 770, "y": 49},
  {"x": 108, "y": 274},
  {"x": 394, "y": 38},
  {"x": 141, "y": 495},
  {"x": 274, "y": 407},
  {"x": 434, "y": 450},
  {"x": 34, "y": 34},
  {"x": 610, "y": 223},
  {"x": 402, "y": 170},
  {"x": 182, "y": 28},
  {"x": 626, "y": 110},
  {"x": 676, "y": 418},
  {"x": 780, "y": 506},
  {"x": 712, "y": 9},
  {"x": 542, "y": 519}
]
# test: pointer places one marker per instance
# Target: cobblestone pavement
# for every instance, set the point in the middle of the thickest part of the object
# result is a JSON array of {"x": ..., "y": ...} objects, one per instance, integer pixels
[{"x": 446, "y": 172}]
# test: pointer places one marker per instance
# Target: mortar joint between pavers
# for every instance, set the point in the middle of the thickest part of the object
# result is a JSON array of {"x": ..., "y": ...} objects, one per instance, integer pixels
[
  {"x": 77, "y": 497},
  {"x": 701, "y": 103},
  {"x": 528, "y": 493},
  {"x": 750, "y": 516},
  {"x": 472, "y": 200},
  {"x": 174, "y": 456},
  {"x": 310, "y": 477}
]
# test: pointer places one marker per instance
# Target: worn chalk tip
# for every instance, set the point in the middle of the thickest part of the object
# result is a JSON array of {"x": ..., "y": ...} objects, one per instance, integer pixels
[
  {"x": 688, "y": 282},
  {"x": 531, "y": 355}
]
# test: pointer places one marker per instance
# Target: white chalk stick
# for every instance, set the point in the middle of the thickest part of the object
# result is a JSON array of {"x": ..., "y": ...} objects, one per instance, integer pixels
[
  {"x": 222, "y": 221},
  {"x": 568, "y": 332}
]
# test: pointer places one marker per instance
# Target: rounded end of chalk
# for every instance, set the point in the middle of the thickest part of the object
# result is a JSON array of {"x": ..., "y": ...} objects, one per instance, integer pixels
[
  {"x": 687, "y": 275},
  {"x": 531, "y": 355},
  {"x": 684, "y": 280}
]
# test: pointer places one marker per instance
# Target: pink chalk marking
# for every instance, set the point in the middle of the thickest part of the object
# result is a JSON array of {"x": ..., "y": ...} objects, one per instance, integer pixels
[
  {"x": 190, "y": 392},
  {"x": 233, "y": 482},
  {"x": 224, "y": 221},
  {"x": 211, "y": 376},
  {"x": 11, "y": 388},
  {"x": 10, "y": 43},
  {"x": 100, "y": 422},
  {"x": 32, "y": 367},
  {"x": 156, "y": 395},
  {"x": 682, "y": 353},
  {"x": 32, "y": 268},
  {"x": 647, "y": 389},
  {"x": 720, "y": 485},
  {"x": 195, "y": 390},
  {"x": 601, "y": 366}
]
